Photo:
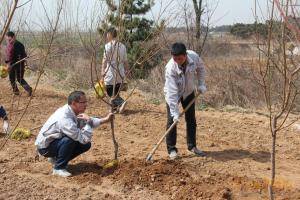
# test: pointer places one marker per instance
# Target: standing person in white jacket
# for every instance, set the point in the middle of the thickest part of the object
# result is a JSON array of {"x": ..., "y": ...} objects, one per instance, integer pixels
[
  {"x": 67, "y": 133},
  {"x": 114, "y": 65},
  {"x": 184, "y": 69}
]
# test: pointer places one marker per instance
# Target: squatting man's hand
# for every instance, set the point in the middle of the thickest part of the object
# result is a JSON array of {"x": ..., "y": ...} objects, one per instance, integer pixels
[
  {"x": 87, "y": 118},
  {"x": 109, "y": 117},
  {"x": 83, "y": 116},
  {"x": 176, "y": 119}
]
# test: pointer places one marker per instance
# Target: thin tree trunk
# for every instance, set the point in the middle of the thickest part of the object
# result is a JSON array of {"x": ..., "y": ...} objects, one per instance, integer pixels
[
  {"x": 7, "y": 23},
  {"x": 187, "y": 25},
  {"x": 112, "y": 125},
  {"x": 198, "y": 12},
  {"x": 273, "y": 148},
  {"x": 11, "y": 14}
]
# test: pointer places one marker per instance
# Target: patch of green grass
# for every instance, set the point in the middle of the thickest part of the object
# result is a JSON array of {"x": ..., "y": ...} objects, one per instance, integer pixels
[
  {"x": 155, "y": 101},
  {"x": 202, "y": 106}
]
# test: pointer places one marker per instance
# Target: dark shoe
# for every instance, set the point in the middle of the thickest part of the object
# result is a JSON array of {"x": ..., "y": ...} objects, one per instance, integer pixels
[
  {"x": 197, "y": 151},
  {"x": 30, "y": 92},
  {"x": 28, "y": 89}
]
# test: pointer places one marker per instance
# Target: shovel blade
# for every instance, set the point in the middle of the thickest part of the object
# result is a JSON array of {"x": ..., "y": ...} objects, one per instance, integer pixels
[{"x": 149, "y": 158}]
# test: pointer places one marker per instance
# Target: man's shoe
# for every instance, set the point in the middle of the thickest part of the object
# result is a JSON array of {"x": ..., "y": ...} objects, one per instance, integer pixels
[
  {"x": 173, "y": 155},
  {"x": 29, "y": 92},
  {"x": 61, "y": 172},
  {"x": 52, "y": 160},
  {"x": 197, "y": 151},
  {"x": 122, "y": 107}
]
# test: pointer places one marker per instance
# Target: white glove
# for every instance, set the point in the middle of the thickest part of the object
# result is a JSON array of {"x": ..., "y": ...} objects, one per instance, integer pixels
[
  {"x": 6, "y": 127},
  {"x": 176, "y": 118},
  {"x": 202, "y": 88}
]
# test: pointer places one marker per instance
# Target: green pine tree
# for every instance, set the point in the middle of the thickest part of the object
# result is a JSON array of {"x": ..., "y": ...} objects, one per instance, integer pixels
[{"x": 134, "y": 30}]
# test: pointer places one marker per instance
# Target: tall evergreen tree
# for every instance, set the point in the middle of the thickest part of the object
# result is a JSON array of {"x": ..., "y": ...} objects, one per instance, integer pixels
[{"x": 134, "y": 29}]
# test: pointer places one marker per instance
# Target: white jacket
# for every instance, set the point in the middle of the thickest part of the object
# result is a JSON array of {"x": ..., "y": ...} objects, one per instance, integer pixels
[
  {"x": 115, "y": 56},
  {"x": 178, "y": 84},
  {"x": 64, "y": 122}
]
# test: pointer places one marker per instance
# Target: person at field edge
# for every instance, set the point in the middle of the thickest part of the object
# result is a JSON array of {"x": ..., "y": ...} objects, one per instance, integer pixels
[
  {"x": 114, "y": 65},
  {"x": 183, "y": 70},
  {"x": 67, "y": 133},
  {"x": 15, "y": 60}
]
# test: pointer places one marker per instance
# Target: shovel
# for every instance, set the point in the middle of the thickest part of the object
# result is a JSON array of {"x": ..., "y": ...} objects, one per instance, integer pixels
[{"x": 149, "y": 157}]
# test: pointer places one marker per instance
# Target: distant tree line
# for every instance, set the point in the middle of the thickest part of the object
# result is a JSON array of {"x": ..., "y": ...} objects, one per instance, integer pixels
[{"x": 247, "y": 30}]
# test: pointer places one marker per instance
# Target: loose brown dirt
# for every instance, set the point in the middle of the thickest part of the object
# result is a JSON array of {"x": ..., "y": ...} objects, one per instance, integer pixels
[{"x": 237, "y": 165}]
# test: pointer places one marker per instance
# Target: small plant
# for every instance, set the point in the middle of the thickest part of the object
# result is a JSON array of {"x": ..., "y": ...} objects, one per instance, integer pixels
[{"x": 155, "y": 101}]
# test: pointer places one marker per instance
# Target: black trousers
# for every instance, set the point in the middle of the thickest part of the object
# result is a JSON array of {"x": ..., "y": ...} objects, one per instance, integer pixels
[
  {"x": 110, "y": 91},
  {"x": 17, "y": 72},
  {"x": 190, "y": 125}
]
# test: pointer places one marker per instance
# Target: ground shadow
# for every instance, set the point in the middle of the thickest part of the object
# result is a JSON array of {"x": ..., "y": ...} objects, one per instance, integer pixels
[
  {"x": 84, "y": 167},
  {"x": 139, "y": 111},
  {"x": 93, "y": 168},
  {"x": 238, "y": 154}
]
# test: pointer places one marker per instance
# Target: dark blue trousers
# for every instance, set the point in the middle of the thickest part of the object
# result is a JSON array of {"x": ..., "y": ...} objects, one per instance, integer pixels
[
  {"x": 64, "y": 150},
  {"x": 3, "y": 113}
]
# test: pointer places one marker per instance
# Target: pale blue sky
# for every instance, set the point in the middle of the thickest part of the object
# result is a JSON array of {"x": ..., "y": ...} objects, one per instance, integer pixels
[
  {"x": 234, "y": 11},
  {"x": 227, "y": 11}
]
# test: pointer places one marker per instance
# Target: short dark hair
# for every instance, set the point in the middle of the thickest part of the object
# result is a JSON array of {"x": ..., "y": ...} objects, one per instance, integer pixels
[
  {"x": 178, "y": 49},
  {"x": 10, "y": 34},
  {"x": 75, "y": 96},
  {"x": 112, "y": 31}
]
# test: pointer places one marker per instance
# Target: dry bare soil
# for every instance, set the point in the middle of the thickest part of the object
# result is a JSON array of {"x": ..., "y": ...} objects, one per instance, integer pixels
[{"x": 236, "y": 165}]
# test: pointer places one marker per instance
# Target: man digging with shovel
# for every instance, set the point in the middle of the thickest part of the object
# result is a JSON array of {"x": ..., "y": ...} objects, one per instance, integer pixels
[{"x": 184, "y": 69}]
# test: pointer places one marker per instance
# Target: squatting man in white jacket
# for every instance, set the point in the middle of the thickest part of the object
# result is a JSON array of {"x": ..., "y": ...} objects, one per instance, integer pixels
[
  {"x": 68, "y": 133},
  {"x": 184, "y": 69},
  {"x": 3, "y": 115}
]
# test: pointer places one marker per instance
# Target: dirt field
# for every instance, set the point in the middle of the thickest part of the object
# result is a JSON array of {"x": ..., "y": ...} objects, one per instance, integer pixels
[{"x": 236, "y": 166}]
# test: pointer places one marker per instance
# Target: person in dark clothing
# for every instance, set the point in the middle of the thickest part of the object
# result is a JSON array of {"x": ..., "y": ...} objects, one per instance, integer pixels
[
  {"x": 3, "y": 115},
  {"x": 15, "y": 54}
]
